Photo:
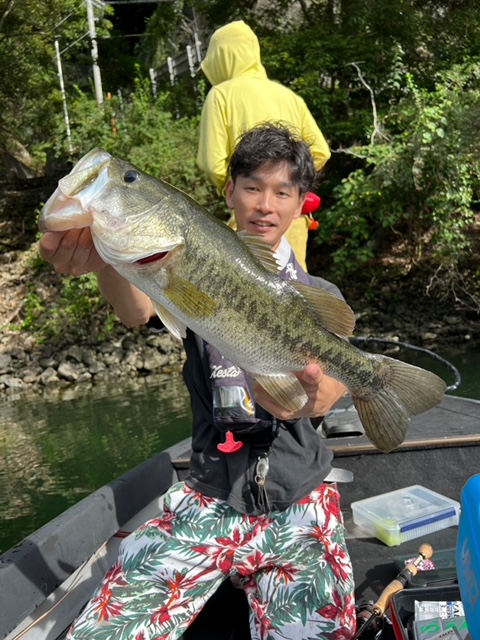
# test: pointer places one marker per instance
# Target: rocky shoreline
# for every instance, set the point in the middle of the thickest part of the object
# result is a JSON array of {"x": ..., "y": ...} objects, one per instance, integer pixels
[
  {"x": 29, "y": 368},
  {"x": 26, "y": 367},
  {"x": 399, "y": 312}
]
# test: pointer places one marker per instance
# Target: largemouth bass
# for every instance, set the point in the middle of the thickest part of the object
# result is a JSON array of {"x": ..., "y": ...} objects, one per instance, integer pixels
[{"x": 225, "y": 287}]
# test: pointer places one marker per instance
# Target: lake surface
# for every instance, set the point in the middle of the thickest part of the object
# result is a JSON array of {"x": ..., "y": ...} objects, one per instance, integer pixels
[{"x": 57, "y": 449}]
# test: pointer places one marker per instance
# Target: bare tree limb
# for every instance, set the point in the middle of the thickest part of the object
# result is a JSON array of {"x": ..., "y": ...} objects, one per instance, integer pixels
[
  {"x": 6, "y": 12},
  {"x": 376, "y": 129}
]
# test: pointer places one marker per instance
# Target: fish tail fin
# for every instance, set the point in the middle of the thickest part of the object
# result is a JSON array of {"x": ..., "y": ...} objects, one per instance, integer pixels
[{"x": 405, "y": 391}]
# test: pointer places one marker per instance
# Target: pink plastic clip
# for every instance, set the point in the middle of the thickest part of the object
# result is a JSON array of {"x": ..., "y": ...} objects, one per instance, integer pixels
[{"x": 230, "y": 445}]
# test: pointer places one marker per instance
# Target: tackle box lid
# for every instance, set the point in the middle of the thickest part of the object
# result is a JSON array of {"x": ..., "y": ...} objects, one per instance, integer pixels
[{"x": 398, "y": 516}]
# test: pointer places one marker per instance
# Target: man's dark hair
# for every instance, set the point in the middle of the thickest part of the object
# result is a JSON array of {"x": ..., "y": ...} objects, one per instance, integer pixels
[{"x": 274, "y": 143}]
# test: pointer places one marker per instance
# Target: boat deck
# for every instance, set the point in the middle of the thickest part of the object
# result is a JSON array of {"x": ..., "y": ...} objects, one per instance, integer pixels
[
  {"x": 47, "y": 578},
  {"x": 441, "y": 452}
]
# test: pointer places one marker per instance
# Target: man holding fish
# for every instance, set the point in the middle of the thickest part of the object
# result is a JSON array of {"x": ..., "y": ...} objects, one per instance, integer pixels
[{"x": 260, "y": 503}]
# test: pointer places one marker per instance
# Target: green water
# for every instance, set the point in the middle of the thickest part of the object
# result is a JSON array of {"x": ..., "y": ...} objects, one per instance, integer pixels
[
  {"x": 464, "y": 358},
  {"x": 57, "y": 449}
]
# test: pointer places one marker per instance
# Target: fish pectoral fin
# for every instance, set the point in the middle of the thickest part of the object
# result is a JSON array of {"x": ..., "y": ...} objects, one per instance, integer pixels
[
  {"x": 188, "y": 299},
  {"x": 285, "y": 389},
  {"x": 261, "y": 251},
  {"x": 173, "y": 324},
  {"x": 335, "y": 314}
]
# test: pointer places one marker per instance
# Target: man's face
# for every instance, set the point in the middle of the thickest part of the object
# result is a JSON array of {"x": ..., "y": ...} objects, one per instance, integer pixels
[{"x": 265, "y": 202}]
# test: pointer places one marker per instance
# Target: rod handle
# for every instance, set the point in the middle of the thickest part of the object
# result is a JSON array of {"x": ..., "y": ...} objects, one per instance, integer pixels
[{"x": 424, "y": 553}]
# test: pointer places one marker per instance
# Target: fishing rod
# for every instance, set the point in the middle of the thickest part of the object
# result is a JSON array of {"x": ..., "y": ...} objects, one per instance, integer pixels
[
  {"x": 378, "y": 610},
  {"x": 357, "y": 341}
]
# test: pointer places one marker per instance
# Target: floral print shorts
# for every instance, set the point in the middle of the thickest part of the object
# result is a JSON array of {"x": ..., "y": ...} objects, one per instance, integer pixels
[{"x": 293, "y": 566}]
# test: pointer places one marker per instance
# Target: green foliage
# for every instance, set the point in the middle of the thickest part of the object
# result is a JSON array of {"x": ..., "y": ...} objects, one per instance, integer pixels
[
  {"x": 419, "y": 185},
  {"x": 166, "y": 34},
  {"x": 139, "y": 128},
  {"x": 77, "y": 301},
  {"x": 29, "y": 92},
  {"x": 411, "y": 181}
]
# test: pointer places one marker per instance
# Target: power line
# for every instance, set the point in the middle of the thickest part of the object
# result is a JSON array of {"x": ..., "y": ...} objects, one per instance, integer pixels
[
  {"x": 74, "y": 43},
  {"x": 67, "y": 17}
]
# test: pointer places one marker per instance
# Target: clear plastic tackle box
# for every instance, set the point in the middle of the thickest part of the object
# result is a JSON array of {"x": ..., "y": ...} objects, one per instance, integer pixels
[{"x": 405, "y": 514}]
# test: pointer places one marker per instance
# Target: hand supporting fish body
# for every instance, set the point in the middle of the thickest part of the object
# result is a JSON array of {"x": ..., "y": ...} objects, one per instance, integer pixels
[{"x": 224, "y": 286}]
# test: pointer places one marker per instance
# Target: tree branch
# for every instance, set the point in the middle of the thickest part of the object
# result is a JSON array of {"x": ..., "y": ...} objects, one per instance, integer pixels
[
  {"x": 6, "y": 12},
  {"x": 376, "y": 128}
]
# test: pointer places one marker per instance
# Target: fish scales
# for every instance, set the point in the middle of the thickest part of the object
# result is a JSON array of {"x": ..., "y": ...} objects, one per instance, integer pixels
[
  {"x": 259, "y": 318},
  {"x": 259, "y": 332},
  {"x": 201, "y": 275}
]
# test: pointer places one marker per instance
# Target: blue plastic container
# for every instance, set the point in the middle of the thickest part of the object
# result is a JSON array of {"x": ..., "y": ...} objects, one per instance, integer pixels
[{"x": 468, "y": 554}]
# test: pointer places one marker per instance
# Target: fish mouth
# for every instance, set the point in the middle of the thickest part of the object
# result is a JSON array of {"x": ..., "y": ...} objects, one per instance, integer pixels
[
  {"x": 154, "y": 257},
  {"x": 67, "y": 208}
]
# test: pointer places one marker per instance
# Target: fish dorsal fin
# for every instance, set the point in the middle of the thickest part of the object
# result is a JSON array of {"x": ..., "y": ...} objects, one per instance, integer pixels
[
  {"x": 335, "y": 314},
  {"x": 261, "y": 250},
  {"x": 176, "y": 327},
  {"x": 285, "y": 389},
  {"x": 188, "y": 299}
]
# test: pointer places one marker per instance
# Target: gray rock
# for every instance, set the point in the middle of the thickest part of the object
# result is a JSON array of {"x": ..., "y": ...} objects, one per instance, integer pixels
[
  {"x": 155, "y": 340},
  {"x": 90, "y": 358},
  {"x": 105, "y": 347},
  {"x": 68, "y": 371},
  {"x": 95, "y": 367},
  {"x": 85, "y": 376},
  {"x": 139, "y": 361},
  {"x": 130, "y": 359},
  {"x": 45, "y": 363},
  {"x": 76, "y": 353},
  {"x": 12, "y": 382},
  {"x": 154, "y": 360},
  {"x": 30, "y": 375},
  {"x": 114, "y": 358},
  {"x": 5, "y": 362},
  {"x": 17, "y": 352},
  {"x": 48, "y": 377}
]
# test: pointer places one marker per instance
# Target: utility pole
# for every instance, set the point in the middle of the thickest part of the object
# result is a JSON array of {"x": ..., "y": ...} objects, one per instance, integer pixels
[
  {"x": 64, "y": 98},
  {"x": 97, "y": 78}
]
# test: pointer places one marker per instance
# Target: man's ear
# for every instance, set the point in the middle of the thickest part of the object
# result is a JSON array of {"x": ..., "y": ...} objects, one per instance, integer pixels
[
  {"x": 229, "y": 187},
  {"x": 298, "y": 210}
]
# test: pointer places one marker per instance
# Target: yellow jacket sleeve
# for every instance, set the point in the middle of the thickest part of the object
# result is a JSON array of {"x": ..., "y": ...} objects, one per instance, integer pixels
[
  {"x": 314, "y": 137},
  {"x": 214, "y": 147}
]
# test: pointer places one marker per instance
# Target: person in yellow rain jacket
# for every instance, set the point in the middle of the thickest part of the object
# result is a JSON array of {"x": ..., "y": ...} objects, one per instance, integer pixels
[{"x": 241, "y": 97}]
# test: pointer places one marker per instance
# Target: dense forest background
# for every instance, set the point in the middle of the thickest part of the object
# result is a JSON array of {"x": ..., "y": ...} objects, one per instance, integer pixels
[{"x": 393, "y": 84}]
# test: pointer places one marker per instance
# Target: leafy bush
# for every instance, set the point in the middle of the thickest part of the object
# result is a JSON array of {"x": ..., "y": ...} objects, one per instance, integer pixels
[
  {"x": 142, "y": 130},
  {"x": 75, "y": 307},
  {"x": 420, "y": 185}
]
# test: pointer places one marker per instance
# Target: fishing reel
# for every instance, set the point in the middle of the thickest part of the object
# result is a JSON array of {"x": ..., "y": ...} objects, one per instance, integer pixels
[{"x": 364, "y": 611}]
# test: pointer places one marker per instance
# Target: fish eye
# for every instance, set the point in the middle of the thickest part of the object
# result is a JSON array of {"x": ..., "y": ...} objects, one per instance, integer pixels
[{"x": 131, "y": 176}]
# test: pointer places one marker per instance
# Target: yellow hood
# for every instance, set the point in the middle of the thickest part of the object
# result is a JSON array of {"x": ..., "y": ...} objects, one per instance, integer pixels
[{"x": 233, "y": 51}]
